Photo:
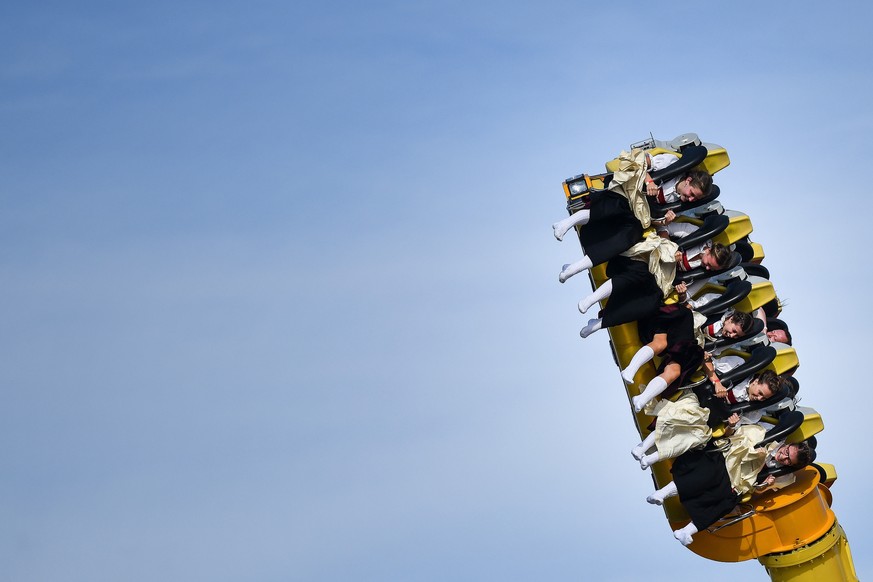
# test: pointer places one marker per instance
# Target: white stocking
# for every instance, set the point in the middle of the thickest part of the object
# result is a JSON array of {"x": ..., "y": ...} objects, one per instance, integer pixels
[
  {"x": 571, "y": 269},
  {"x": 600, "y": 294},
  {"x": 658, "y": 497},
  {"x": 684, "y": 534},
  {"x": 563, "y": 226},
  {"x": 593, "y": 325},
  {"x": 655, "y": 387},
  {"x": 638, "y": 451},
  {"x": 643, "y": 355},
  {"x": 649, "y": 460}
]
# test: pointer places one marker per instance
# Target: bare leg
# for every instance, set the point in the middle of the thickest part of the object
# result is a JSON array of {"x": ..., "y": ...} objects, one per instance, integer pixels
[
  {"x": 571, "y": 269},
  {"x": 593, "y": 325},
  {"x": 561, "y": 227},
  {"x": 638, "y": 451},
  {"x": 600, "y": 294},
  {"x": 665, "y": 492}
]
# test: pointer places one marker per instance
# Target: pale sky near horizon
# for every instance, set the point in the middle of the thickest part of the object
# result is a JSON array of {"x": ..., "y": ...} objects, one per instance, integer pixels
[{"x": 280, "y": 294}]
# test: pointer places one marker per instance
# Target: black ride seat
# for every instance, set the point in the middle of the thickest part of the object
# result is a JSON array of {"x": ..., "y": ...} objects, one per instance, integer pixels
[
  {"x": 701, "y": 273},
  {"x": 756, "y": 270},
  {"x": 788, "y": 422},
  {"x": 713, "y": 225},
  {"x": 759, "y": 359},
  {"x": 659, "y": 210},
  {"x": 735, "y": 291},
  {"x": 757, "y": 328}
]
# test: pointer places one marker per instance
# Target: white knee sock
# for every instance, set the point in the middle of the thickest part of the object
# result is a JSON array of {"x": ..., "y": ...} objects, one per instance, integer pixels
[
  {"x": 653, "y": 388},
  {"x": 571, "y": 269},
  {"x": 643, "y": 355},
  {"x": 563, "y": 226},
  {"x": 638, "y": 451},
  {"x": 658, "y": 497},
  {"x": 684, "y": 534},
  {"x": 600, "y": 294},
  {"x": 649, "y": 460},
  {"x": 593, "y": 325}
]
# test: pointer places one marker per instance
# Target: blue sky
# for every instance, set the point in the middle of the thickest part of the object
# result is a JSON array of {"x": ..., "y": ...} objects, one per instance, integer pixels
[{"x": 280, "y": 292}]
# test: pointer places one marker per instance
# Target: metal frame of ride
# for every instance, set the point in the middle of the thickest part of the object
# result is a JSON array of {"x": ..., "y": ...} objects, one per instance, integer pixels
[{"x": 792, "y": 532}]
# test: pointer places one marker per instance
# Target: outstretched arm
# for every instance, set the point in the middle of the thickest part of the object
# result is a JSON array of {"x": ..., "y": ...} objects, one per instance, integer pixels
[
  {"x": 732, "y": 422},
  {"x": 762, "y": 316},
  {"x": 709, "y": 370}
]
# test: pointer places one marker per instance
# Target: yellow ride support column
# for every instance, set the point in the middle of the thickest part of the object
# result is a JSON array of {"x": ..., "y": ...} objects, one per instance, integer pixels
[{"x": 828, "y": 559}]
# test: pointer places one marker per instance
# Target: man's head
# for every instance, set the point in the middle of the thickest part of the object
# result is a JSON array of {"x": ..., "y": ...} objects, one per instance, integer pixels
[
  {"x": 694, "y": 186},
  {"x": 737, "y": 324},
  {"x": 716, "y": 257},
  {"x": 794, "y": 455},
  {"x": 779, "y": 336}
]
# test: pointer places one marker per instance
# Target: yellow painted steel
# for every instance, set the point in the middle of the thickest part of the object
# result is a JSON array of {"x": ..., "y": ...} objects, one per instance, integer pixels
[
  {"x": 830, "y": 473},
  {"x": 739, "y": 227},
  {"x": 759, "y": 253},
  {"x": 827, "y": 559},
  {"x": 786, "y": 360},
  {"x": 783, "y": 521},
  {"x": 709, "y": 288},
  {"x": 811, "y": 426},
  {"x": 789, "y": 528},
  {"x": 716, "y": 159},
  {"x": 761, "y": 294}
]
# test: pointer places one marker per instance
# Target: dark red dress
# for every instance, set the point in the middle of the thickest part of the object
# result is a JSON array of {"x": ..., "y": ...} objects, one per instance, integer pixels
[{"x": 677, "y": 321}]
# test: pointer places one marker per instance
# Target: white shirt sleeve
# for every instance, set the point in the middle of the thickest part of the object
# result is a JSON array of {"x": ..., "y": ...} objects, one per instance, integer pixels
[
  {"x": 783, "y": 481},
  {"x": 752, "y": 417},
  {"x": 661, "y": 161},
  {"x": 693, "y": 254},
  {"x": 703, "y": 300},
  {"x": 727, "y": 363},
  {"x": 681, "y": 229}
]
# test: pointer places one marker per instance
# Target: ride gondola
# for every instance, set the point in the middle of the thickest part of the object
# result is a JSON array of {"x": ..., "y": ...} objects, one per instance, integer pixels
[{"x": 792, "y": 531}]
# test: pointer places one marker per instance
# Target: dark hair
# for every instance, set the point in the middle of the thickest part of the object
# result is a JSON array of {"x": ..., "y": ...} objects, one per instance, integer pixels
[
  {"x": 721, "y": 254},
  {"x": 805, "y": 453},
  {"x": 770, "y": 378},
  {"x": 700, "y": 179},
  {"x": 742, "y": 319}
]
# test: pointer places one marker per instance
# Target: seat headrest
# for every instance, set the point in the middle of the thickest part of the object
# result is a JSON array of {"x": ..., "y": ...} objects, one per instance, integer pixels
[
  {"x": 793, "y": 385},
  {"x": 759, "y": 359},
  {"x": 788, "y": 423},
  {"x": 679, "y": 207},
  {"x": 745, "y": 250},
  {"x": 735, "y": 291},
  {"x": 757, "y": 328},
  {"x": 713, "y": 225},
  {"x": 692, "y": 156},
  {"x": 756, "y": 270},
  {"x": 776, "y": 323}
]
